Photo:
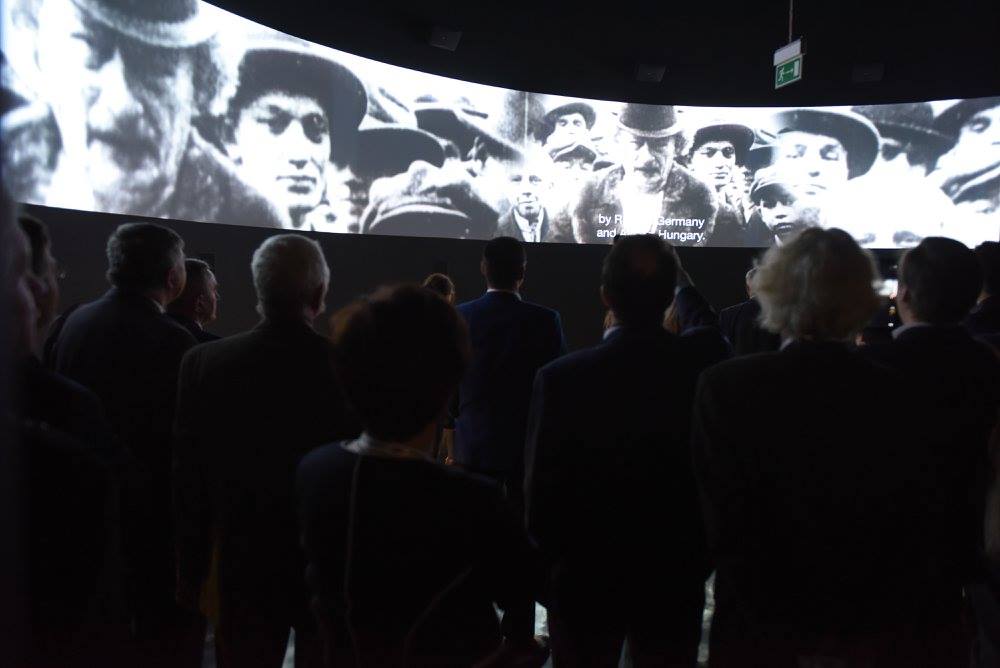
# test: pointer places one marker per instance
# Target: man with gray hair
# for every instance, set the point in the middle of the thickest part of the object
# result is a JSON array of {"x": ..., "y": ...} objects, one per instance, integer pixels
[
  {"x": 127, "y": 351},
  {"x": 249, "y": 407},
  {"x": 113, "y": 126}
]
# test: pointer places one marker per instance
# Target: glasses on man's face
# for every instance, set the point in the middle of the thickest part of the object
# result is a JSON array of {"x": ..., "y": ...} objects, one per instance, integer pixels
[{"x": 915, "y": 154}]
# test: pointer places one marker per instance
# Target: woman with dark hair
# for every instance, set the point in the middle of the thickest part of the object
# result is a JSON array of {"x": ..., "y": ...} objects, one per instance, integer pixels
[{"x": 397, "y": 582}]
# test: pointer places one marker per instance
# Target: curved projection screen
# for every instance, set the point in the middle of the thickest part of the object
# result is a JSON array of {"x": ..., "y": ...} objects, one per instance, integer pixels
[{"x": 177, "y": 109}]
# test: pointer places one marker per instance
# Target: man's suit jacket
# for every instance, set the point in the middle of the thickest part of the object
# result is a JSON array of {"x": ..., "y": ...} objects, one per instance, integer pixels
[
  {"x": 739, "y": 325},
  {"x": 819, "y": 506},
  {"x": 507, "y": 227},
  {"x": 951, "y": 386},
  {"x": 200, "y": 334},
  {"x": 610, "y": 492},
  {"x": 128, "y": 353},
  {"x": 249, "y": 408},
  {"x": 511, "y": 340}
]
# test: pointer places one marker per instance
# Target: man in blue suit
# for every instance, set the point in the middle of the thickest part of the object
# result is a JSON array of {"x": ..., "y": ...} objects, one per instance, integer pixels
[{"x": 511, "y": 340}]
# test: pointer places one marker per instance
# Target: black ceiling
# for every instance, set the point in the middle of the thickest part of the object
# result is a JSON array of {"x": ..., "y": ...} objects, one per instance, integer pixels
[{"x": 716, "y": 53}]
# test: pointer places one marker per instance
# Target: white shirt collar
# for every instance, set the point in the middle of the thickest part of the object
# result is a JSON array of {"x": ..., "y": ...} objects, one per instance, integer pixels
[{"x": 509, "y": 292}]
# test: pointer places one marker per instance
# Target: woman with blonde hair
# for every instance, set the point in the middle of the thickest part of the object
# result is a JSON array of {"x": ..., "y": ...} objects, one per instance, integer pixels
[{"x": 816, "y": 500}]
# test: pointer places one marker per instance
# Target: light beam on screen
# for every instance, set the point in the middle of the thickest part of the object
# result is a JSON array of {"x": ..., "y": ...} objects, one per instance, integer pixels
[{"x": 184, "y": 111}]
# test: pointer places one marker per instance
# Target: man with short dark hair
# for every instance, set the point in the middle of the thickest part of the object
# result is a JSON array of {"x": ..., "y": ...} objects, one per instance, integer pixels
[
  {"x": 942, "y": 365},
  {"x": 610, "y": 492},
  {"x": 984, "y": 320},
  {"x": 248, "y": 408},
  {"x": 198, "y": 303},
  {"x": 127, "y": 351},
  {"x": 511, "y": 340}
]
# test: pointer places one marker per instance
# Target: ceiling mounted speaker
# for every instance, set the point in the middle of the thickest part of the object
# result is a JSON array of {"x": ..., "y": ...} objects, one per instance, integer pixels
[
  {"x": 444, "y": 38},
  {"x": 648, "y": 73},
  {"x": 870, "y": 73}
]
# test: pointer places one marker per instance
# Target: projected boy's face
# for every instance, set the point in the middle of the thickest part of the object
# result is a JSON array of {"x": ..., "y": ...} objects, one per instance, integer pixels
[
  {"x": 777, "y": 210},
  {"x": 816, "y": 163},
  {"x": 647, "y": 162},
  {"x": 281, "y": 143},
  {"x": 568, "y": 129},
  {"x": 714, "y": 162},
  {"x": 123, "y": 108}
]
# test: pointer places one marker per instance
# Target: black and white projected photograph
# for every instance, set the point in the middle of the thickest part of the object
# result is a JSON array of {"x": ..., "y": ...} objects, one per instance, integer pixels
[{"x": 110, "y": 107}]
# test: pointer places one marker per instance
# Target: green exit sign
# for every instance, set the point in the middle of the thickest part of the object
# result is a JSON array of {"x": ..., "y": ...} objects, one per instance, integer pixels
[{"x": 787, "y": 72}]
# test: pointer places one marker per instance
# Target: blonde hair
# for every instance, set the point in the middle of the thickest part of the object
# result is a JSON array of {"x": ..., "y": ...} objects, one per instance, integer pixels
[{"x": 820, "y": 285}]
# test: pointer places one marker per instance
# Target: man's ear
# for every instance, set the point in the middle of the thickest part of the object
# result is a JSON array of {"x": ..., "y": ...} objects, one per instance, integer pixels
[
  {"x": 482, "y": 267},
  {"x": 319, "y": 299}
]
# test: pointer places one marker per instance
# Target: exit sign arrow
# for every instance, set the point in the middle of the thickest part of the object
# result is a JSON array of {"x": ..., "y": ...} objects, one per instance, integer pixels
[{"x": 788, "y": 72}]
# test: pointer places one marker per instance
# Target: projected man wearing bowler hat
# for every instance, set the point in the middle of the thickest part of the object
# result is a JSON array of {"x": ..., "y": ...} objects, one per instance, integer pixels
[
  {"x": 290, "y": 103},
  {"x": 121, "y": 82},
  {"x": 648, "y": 192}
]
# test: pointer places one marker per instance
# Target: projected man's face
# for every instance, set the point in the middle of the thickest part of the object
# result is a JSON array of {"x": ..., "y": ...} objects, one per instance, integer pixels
[
  {"x": 647, "y": 162},
  {"x": 714, "y": 162},
  {"x": 778, "y": 211},
  {"x": 568, "y": 129},
  {"x": 816, "y": 163},
  {"x": 979, "y": 139},
  {"x": 123, "y": 108},
  {"x": 527, "y": 186},
  {"x": 281, "y": 143}
]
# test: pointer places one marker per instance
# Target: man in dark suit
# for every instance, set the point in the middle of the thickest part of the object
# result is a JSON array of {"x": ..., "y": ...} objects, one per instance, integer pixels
[
  {"x": 984, "y": 319},
  {"x": 124, "y": 349},
  {"x": 610, "y": 492},
  {"x": 249, "y": 408},
  {"x": 740, "y": 325},
  {"x": 942, "y": 365},
  {"x": 198, "y": 303},
  {"x": 511, "y": 340}
]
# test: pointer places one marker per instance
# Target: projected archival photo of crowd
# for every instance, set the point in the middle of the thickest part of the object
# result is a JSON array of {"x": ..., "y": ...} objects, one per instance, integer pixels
[{"x": 221, "y": 120}]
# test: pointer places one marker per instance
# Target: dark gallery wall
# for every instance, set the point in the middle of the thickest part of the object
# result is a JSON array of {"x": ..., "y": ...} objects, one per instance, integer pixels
[{"x": 561, "y": 276}]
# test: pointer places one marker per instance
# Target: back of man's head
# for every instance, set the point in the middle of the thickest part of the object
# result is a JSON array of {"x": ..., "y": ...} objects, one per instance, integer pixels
[
  {"x": 942, "y": 279},
  {"x": 503, "y": 263},
  {"x": 639, "y": 278},
  {"x": 290, "y": 275},
  {"x": 988, "y": 254},
  {"x": 199, "y": 275},
  {"x": 141, "y": 256},
  {"x": 400, "y": 354}
]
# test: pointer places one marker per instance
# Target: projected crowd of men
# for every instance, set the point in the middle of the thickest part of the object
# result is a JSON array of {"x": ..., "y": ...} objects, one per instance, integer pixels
[{"x": 179, "y": 110}]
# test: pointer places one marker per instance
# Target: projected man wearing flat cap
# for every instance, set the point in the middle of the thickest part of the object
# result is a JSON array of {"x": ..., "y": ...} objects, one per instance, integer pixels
[
  {"x": 717, "y": 149},
  {"x": 648, "y": 192},
  {"x": 291, "y": 106},
  {"x": 121, "y": 82}
]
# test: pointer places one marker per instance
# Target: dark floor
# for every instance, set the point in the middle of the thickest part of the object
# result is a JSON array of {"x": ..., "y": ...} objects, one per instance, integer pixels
[{"x": 541, "y": 628}]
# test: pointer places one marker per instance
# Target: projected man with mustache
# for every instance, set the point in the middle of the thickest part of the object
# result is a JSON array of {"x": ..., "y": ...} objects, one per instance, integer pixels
[
  {"x": 648, "y": 192},
  {"x": 291, "y": 105},
  {"x": 120, "y": 83}
]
